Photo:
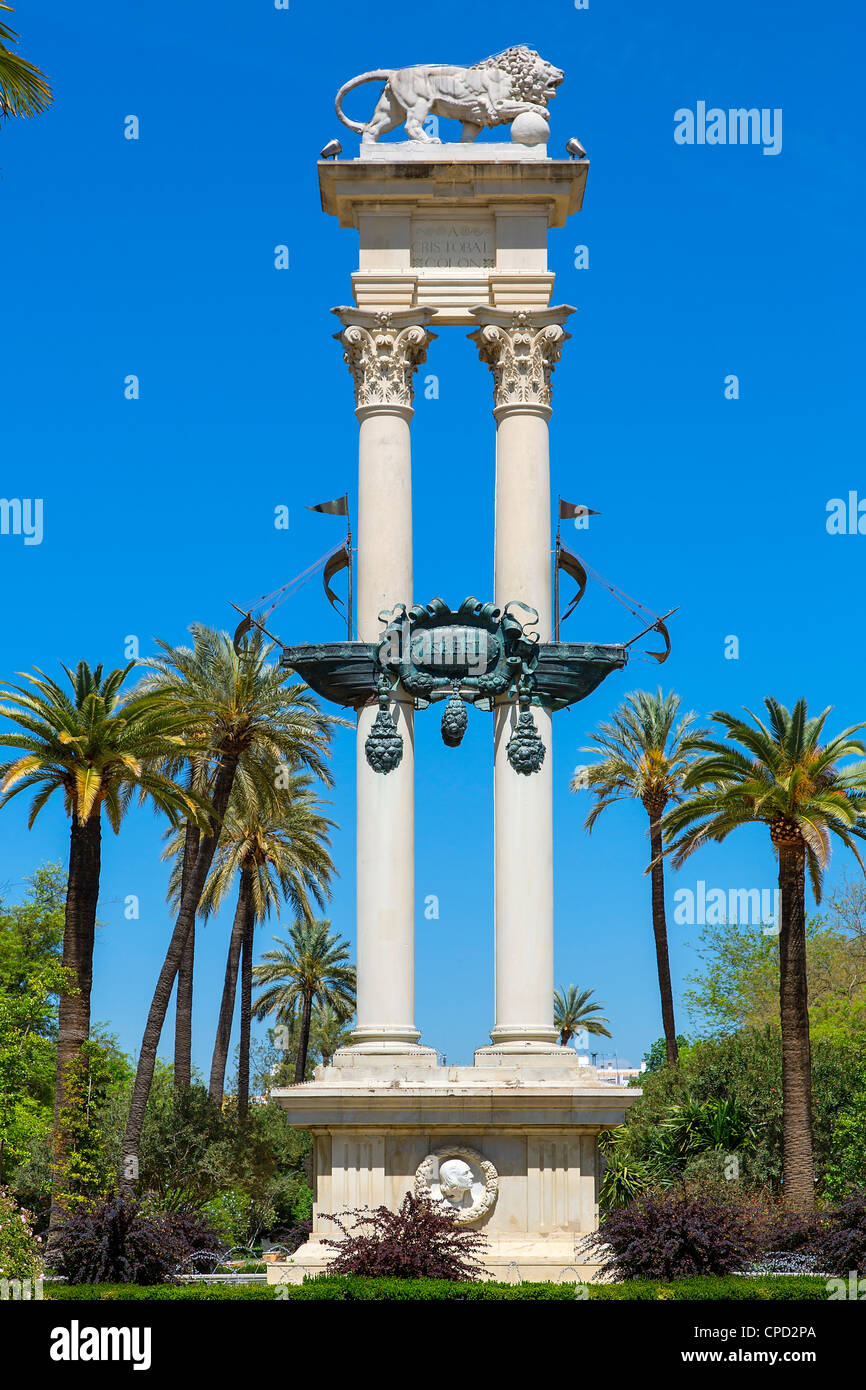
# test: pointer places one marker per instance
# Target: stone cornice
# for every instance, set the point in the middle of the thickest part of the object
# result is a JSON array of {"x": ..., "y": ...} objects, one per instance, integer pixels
[
  {"x": 350, "y": 187},
  {"x": 455, "y": 1107}
]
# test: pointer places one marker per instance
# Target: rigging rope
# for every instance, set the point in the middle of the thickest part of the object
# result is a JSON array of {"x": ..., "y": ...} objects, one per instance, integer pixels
[{"x": 294, "y": 585}]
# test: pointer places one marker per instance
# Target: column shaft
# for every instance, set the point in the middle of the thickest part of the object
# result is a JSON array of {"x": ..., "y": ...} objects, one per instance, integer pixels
[
  {"x": 385, "y": 841},
  {"x": 523, "y": 805},
  {"x": 382, "y": 352},
  {"x": 521, "y": 350}
]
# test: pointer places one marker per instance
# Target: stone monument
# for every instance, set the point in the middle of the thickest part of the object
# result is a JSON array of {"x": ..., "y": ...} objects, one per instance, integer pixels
[{"x": 456, "y": 234}]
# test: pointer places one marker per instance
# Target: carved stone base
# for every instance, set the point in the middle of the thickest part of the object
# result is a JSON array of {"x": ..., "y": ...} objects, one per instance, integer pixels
[
  {"x": 548, "y": 1257},
  {"x": 512, "y": 1143}
]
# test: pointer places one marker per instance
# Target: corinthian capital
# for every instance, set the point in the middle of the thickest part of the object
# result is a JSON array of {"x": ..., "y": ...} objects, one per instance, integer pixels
[
  {"x": 382, "y": 351},
  {"x": 521, "y": 348}
]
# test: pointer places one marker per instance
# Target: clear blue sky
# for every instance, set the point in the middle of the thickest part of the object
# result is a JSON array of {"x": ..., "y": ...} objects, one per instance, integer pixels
[{"x": 155, "y": 257}]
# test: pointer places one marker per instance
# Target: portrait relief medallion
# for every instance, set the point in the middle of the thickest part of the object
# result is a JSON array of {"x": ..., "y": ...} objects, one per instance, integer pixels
[{"x": 462, "y": 1179}]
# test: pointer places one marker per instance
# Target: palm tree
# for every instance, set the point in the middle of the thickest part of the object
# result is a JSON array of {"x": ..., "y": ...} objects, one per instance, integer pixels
[
  {"x": 783, "y": 777},
  {"x": 644, "y": 752},
  {"x": 251, "y": 722},
  {"x": 97, "y": 750},
  {"x": 277, "y": 853},
  {"x": 330, "y": 1029},
  {"x": 186, "y": 675},
  {"x": 572, "y": 1010},
  {"x": 310, "y": 968},
  {"x": 24, "y": 90}
]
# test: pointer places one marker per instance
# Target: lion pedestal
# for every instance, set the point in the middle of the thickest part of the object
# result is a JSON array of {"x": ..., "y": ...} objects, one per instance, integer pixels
[
  {"x": 452, "y": 227},
  {"x": 511, "y": 1144}
]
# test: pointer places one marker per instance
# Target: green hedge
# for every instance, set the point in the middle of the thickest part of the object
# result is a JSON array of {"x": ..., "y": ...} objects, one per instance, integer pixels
[
  {"x": 160, "y": 1293},
  {"x": 357, "y": 1290}
]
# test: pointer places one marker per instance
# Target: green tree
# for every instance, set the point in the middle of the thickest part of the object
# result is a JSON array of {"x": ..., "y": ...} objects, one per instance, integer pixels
[
  {"x": 247, "y": 717},
  {"x": 572, "y": 1010},
  {"x": 656, "y": 1055},
  {"x": 738, "y": 984},
  {"x": 85, "y": 1173},
  {"x": 32, "y": 931},
  {"x": 97, "y": 750},
  {"x": 31, "y": 976},
  {"x": 779, "y": 774},
  {"x": 846, "y": 1172},
  {"x": 644, "y": 752},
  {"x": 194, "y": 1150},
  {"x": 312, "y": 967},
  {"x": 738, "y": 1080},
  {"x": 24, "y": 90}
]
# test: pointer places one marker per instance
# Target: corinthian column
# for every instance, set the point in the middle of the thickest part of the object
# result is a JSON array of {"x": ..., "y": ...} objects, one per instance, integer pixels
[
  {"x": 382, "y": 351},
  {"x": 521, "y": 350}
]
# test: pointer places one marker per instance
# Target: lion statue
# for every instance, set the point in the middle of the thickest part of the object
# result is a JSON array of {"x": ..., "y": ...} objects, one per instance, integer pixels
[{"x": 487, "y": 94}]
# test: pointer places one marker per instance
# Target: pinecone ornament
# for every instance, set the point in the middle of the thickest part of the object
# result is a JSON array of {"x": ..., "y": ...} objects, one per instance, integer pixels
[
  {"x": 525, "y": 748},
  {"x": 454, "y": 722},
  {"x": 384, "y": 745}
]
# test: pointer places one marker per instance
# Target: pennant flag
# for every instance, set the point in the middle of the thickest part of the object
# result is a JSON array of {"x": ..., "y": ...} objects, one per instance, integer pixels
[
  {"x": 570, "y": 563},
  {"x": 662, "y": 656},
  {"x": 241, "y": 631},
  {"x": 568, "y": 510},
  {"x": 340, "y": 560},
  {"x": 338, "y": 507}
]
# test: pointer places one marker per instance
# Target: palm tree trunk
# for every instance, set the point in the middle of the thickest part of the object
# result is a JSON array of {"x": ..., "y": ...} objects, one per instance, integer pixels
[
  {"x": 183, "y": 1007},
  {"x": 304, "y": 1039},
  {"x": 660, "y": 931},
  {"x": 165, "y": 983},
  {"x": 230, "y": 988},
  {"x": 797, "y": 1164},
  {"x": 246, "y": 1007},
  {"x": 73, "y": 1028}
]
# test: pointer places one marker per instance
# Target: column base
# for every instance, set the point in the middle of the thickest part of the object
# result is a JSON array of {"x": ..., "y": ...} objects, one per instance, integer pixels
[
  {"x": 385, "y": 1037},
  {"x": 523, "y": 1038},
  {"x": 375, "y": 1063}
]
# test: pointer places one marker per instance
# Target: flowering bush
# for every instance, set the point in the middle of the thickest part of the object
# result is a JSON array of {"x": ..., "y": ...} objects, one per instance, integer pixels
[{"x": 20, "y": 1249}]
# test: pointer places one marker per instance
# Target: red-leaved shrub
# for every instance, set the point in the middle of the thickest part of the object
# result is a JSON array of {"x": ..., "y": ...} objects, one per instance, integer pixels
[
  {"x": 842, "y": 1247},
  {"x": 673, "y": 1237},
  {"x": 118, "y": 1241},
  {"x": 420, "y": 1241}
]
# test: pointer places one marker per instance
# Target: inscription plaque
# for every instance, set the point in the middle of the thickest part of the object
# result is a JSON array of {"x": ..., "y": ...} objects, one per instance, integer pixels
[{"x": 457, "y": 243}]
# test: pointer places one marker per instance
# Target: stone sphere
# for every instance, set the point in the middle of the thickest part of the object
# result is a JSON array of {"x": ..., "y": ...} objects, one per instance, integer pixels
[{"x": 530, "y": 129}]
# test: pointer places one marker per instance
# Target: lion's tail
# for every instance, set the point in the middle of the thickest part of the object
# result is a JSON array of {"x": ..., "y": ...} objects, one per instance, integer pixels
[{"x": 382, "y": 75}]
